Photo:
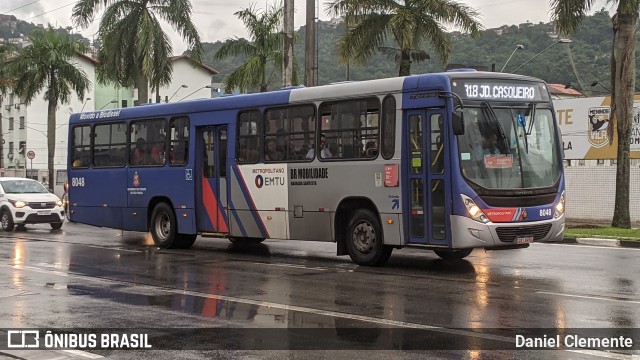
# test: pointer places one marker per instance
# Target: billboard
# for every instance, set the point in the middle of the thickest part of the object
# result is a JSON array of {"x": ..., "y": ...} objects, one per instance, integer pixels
[{"x": 584, "y": 123}]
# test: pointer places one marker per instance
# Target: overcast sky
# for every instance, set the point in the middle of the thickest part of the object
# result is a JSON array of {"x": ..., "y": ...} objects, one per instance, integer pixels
[{"x": 215, "y": 19}]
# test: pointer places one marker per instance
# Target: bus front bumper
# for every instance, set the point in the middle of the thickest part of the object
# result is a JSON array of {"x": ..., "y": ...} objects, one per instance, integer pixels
[{"x": 468, "y": 233}]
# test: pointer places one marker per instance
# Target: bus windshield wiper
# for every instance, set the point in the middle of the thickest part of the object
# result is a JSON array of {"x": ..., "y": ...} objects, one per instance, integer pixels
[
  {"x": 532, "y": 116},
  {"x": 493, "y": 118}
]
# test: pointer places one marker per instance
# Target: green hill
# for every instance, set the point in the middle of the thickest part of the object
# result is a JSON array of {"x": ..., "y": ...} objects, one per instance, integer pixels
[{"x": 590, "y": 52}]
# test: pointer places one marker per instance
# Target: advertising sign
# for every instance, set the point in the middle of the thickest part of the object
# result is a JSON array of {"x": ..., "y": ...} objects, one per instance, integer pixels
[{"x": 584, "y": 123}]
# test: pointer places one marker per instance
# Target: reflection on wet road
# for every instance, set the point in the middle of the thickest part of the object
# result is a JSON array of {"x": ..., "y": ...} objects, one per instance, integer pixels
[{"x": 85, "y": 277}]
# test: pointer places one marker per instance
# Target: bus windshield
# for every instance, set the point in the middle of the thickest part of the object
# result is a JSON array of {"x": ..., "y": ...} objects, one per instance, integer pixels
[{"x": 509, "y": 148}]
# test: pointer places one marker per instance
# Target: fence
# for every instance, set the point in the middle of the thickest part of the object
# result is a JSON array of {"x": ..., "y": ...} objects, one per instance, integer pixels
[{"x": 591, "y": 190}]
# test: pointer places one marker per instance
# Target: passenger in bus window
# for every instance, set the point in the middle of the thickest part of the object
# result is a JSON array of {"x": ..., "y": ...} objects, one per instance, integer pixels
[
  {"x": 490, "y": 145},
  {"x": 371, "y": 149},
  {"x": 283, "y": 147},
  {"x": 271, "y": 152},
  {"x": 137, "y": 155},
  {"x": 325, "y": 152},
  {"x": 157, "y": 153}
]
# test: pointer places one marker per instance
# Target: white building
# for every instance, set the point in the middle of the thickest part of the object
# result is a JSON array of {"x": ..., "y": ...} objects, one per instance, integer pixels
[{"x": 24, "y": 128}]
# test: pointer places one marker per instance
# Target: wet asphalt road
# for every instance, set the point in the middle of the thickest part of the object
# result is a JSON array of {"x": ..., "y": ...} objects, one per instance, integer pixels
[{"x": 86, "y": 277}]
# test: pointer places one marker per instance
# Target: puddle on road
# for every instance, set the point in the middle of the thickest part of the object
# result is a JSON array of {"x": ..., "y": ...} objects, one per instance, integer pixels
[{"x": 209, "y": 307}]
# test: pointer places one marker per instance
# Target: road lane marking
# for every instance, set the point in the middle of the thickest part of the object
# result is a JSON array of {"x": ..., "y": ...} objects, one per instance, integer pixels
[
  {"x": 302, "y": 309},
  {"x": 601, "y": 298},
  {"x": 84, "y": 354}
]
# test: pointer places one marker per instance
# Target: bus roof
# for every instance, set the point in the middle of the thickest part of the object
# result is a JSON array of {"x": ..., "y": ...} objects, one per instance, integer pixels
[{"x": 292, "y": 95}]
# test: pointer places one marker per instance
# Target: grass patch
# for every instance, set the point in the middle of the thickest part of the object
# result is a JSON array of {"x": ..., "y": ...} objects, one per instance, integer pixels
[{"x": 589, "y": 231}]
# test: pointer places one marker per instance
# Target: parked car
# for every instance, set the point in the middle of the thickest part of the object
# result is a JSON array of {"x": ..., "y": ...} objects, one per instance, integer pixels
[{"x": 26, "y": 201}]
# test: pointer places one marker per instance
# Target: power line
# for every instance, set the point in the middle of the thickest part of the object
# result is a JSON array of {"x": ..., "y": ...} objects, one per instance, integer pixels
[
  {"x": 8, "y": 11},
  {"x": 50, "y": 11}
]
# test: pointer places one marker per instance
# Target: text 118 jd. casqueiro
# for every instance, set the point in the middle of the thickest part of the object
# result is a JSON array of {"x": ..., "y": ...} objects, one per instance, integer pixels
[{"x": 573, "y": 341}]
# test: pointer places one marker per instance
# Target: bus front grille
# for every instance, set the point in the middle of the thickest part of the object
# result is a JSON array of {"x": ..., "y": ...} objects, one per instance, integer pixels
[{"x": 509, "y": 234}]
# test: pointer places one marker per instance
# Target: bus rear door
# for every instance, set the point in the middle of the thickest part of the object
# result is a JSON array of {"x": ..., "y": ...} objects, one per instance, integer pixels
[
  {"x": 428, "y": 187},
  {"x": 211, "y": 180}
]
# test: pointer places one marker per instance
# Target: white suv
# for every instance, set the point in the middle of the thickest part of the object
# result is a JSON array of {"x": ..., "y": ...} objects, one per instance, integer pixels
[{"x": 26, "y": 201}]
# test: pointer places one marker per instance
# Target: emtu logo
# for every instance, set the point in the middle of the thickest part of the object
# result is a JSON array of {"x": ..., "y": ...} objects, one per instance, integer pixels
[
  {"x": 259, "y": 181},
  {"x": 23, "y": 339}
]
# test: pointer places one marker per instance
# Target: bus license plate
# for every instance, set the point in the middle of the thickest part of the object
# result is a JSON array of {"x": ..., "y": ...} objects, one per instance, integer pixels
[
  {"x": 524, "y": 240},
  {"x": 44, "y": 212}
]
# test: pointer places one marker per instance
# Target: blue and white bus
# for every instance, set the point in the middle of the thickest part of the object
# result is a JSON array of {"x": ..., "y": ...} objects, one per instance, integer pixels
[{"x": 446, "y": 162}]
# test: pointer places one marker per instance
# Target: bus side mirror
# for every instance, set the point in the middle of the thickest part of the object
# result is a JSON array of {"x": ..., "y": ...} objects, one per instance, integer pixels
[{"x": 457, "y": 121}]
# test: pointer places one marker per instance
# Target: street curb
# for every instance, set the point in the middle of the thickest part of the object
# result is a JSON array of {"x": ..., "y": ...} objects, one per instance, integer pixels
[{"x": 602, "y": 242}]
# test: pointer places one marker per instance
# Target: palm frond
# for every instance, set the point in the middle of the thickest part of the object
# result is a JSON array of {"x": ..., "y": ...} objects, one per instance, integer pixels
[
  {"x": 235, "y": 47},
  {"x": 361, "y": 42},
  {"x": 568, "y": 14}
]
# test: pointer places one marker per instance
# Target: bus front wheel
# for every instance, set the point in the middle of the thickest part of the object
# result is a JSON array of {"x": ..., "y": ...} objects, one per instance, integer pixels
[
  {"x": 365, "y": 241},
  {"x": 453, "y": 254},
  {"x": 164, "y": 226}
]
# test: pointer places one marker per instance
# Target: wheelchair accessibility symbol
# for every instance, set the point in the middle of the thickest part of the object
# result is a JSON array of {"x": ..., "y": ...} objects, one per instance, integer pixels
[{"x": 188, "y": 174}]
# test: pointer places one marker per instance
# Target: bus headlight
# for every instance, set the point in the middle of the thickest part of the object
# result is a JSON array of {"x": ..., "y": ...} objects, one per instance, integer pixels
[
  {"x": 474, "y": 210},
  {"x": 559, "y": 207}
]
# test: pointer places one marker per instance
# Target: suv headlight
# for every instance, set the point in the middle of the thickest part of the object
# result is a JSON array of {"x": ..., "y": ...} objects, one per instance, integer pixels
[
  {"x": 59, "y": 202},
  {"x": 559, "y": 208},
  {"x": 18, "y": 204},
  {"x": 474, "y": 210}
]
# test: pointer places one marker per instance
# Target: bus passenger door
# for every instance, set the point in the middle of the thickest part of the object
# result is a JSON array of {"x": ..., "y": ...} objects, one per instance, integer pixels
[
  {"x": 211, "y": 179},
  {"x": 427, "y": 170}
]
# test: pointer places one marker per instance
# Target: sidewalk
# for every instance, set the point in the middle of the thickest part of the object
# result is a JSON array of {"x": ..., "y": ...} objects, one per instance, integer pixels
[{"x": 602, "y": 242}]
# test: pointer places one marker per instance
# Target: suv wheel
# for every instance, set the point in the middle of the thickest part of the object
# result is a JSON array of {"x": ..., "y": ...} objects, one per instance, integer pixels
[{"x": 6, "y": 220}]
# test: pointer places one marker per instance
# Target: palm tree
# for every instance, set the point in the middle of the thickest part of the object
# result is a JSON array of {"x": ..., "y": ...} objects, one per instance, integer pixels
[
  {"x": 568, "y": 16},
  {"x": 134, "y": 49},
  {"x": 263, "y": 52},
  {"x": 409, "y": 22},
  {"x": 48, "y": 64},
  {"x": 5, "y": 81}
]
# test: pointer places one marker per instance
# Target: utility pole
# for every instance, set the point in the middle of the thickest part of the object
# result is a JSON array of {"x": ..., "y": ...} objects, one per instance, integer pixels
[
  {"x": 310, "y": 45},
  {"x": 287, "y": 63}
]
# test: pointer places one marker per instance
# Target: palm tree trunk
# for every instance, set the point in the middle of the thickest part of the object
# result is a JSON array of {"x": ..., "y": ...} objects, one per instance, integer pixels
[
  {"x": 143, "y": 89},
  {"x": 51, "y": 137},
  {"x": 405, "y": 63},
  {"x": 623, "y": 83},
  {"x": 263, "y": 81}
]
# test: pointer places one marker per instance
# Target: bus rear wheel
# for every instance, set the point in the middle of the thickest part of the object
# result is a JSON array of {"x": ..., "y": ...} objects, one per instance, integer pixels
[
  {"x": 164, "y": 226},
  {"x": 365, "y": 243},
  {"x": 245, "y": 240},
  {"x": 453, "y": 254},
  {"x": 185, "y": 241}
]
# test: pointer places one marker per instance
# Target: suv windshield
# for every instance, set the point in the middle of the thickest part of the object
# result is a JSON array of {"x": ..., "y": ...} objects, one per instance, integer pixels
[
  {"x": 23, "y": 187},
  {"x": 509, "y": 148}
]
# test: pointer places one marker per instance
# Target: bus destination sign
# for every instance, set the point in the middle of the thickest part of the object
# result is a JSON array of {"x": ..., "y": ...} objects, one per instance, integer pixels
[{"x": 500, "y": 91}]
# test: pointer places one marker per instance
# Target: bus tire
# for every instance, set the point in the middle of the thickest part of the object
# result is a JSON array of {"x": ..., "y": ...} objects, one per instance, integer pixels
[
  {"x": 164, "y": 226},
  {"x": 6, "y": 220},
  {"x": 453, "y": 254},
  {"x": 365, "y": 243},
  {"x": 185, "y": 241}
]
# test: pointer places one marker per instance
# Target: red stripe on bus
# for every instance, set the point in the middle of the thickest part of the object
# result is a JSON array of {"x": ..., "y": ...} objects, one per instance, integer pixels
[{"x": 211, "y": 205}]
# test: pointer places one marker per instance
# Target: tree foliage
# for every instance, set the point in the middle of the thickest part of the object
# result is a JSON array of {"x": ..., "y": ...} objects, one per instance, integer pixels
[
  {"x": 591, "y": 50},
  {"x": 408, "y": 23},
  {"x": 134, "y": 49},
  {"x": 47, "y": 67},
  {"x": 262, "y": 53},
  {"x": 570, "y": 15}
]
